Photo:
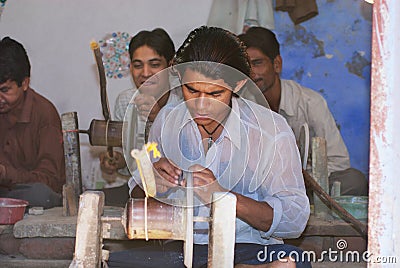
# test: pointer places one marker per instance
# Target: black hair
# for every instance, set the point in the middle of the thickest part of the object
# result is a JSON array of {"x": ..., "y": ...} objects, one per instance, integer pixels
[
  {"x": 262, "y": 39},
  {"x": 157, "y": 39},
  {"x": 217, "y": 45},
  {"x": 14, "y": 62}
]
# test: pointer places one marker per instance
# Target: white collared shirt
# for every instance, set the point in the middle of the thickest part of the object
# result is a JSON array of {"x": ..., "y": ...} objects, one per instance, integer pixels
[
  {"x": 301, "y": 105},
  {"x": 256, "y": 155}
]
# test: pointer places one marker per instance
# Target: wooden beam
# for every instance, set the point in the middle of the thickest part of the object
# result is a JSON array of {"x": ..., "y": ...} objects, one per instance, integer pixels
[
  {"x": 221, "y": 247},
  {"x": 72, "y": 155},
  {"x": 89, "y": 231}
]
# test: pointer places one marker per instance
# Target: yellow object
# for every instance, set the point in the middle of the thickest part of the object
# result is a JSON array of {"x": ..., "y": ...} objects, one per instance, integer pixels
[
  {"x": 145, "y": 167},
  {"x": 94, "y": 45},
  {"x": 152, "y": 146}
]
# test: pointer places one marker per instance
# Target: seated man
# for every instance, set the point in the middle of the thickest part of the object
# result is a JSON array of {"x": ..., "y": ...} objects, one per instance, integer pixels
[
  {"x": 230, "y": 145},
  {"x": 32, "y": 163},
  {"x": 300, "y": 105},
  {"x": 150, "y": 53}
]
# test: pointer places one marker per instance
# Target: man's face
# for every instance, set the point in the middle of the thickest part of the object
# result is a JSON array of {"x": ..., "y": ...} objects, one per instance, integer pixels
[
  {"x": 11, "y": 95},
  {"x": 263, "y": 72},
  {"x": 145, "y": 63},
  {"x": 207, "y": 99}
]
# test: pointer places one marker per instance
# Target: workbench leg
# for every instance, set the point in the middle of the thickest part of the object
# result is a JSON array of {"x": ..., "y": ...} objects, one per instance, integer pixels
[
  {"x": 320, "y": 174},
  {"x": 222, "y": 231},
  {"x": 89, "y": 237},
  {"x": 69, "y": 122}
]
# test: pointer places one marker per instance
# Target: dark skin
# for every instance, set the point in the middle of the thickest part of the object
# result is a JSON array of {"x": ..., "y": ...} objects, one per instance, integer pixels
[
  {"x": 207, "y": 103},
  {"x": 145, "y": 64},
  {"x": 266, "y": 74}
]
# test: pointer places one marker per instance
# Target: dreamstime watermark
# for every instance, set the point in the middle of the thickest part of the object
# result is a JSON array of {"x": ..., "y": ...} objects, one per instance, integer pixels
[{"x": 330, "y": 255}]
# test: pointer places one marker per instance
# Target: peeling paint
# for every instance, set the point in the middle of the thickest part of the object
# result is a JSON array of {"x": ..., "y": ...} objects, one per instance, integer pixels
[
  {"x": 357, "y": 64},
  {"x": 321, "y": 47},
  {"x": 356, "y": 26},
  {"x": 384, "y": 147},
  {"x": 298, "y": 75},
  {"x": 304, "y": 38}
]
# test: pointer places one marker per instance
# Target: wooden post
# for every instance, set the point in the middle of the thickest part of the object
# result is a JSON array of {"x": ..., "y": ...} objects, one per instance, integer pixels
[
  {"x": 70, "y": 207},
  {"x": 320, "y": 174},
  {"x": 72, "y": 155},
  {"x": 222, "y": 231},
  {"x": 89, "y": 231},
  {"x": 188, "y": 243}
]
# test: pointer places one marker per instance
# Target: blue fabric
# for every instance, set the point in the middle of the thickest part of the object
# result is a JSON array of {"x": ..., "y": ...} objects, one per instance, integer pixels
[{"x": 171, "y": 255}]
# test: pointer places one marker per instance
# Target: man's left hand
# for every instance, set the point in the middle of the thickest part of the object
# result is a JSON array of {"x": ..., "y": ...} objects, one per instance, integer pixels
[
  {"x": 205, "y": 183},
  {"x": 147, "y": 106}
]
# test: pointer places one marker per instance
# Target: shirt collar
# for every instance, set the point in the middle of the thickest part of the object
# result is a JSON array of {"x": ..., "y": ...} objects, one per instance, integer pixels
[
  {"x": 232, "y": 125},
  {"x": 285, "y": 105},
  {"x": 25, "y": 115},
  {"x": 22, "y": 113}
]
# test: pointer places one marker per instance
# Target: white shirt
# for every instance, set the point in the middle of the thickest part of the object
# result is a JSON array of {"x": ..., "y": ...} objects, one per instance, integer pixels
[
  {"x": 256, "y": 155},
  {"x": 301, "y": 105},
  {"x": 124, "y": 103},
  {"x": 126, "y": 96}
]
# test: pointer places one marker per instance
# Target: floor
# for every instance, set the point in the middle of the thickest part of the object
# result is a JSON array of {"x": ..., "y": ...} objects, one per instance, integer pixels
[{"x": 21, "y": 262}]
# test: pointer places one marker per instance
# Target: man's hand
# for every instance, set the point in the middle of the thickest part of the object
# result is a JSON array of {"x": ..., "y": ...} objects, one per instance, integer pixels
[
  {"x": 111, "y": 164},
  {"x": 205, "y": 183},
  {"x": 147, "y": 106},
  {"x": 167, "y": 170},
  {"x": 166, "y": 175}
]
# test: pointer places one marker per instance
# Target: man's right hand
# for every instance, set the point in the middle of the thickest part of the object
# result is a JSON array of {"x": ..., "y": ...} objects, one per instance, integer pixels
[
  {"x": 109, "y": 164},
  {"x": 167, "y": 170}
]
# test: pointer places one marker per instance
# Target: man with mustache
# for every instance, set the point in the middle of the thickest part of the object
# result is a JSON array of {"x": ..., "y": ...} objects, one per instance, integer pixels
[
  {"x": 32, "y": 163},
  {"x": 300, "y": 105}
]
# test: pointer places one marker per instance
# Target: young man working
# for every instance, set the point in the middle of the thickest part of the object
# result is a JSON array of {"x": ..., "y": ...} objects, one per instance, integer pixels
[
  {"x": 300, "y": 105},
  {"x": 229, "y": 145},
  {"x": 32, "y": 163}
]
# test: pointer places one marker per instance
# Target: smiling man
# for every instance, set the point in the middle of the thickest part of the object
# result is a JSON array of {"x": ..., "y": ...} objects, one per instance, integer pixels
[
  {"x": 151, "y": 52},
  {"x": 31, "y": 152}
]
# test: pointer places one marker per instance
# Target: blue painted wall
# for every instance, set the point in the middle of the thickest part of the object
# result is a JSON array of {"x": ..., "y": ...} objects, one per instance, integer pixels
[{"x": 331, "y": 53}]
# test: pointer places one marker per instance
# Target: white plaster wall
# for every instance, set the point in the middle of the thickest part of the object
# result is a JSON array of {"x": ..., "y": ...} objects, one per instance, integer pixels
[{"x": 57, "y": 34}]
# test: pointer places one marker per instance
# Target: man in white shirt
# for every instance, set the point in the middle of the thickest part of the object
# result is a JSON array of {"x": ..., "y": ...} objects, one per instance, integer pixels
[
  {"x": 150, "y": 52},
  {"x": 300, "y": 105},
  {"x": 229, "y": 144}
]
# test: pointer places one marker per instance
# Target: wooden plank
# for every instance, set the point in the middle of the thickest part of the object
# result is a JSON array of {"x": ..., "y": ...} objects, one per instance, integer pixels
[
  {"x": 53, "y": 224},
  {"x": 321, "y": 227},
  {"x": 320, "y": 174},
  {"x": 89, "y": 237},
  {"x": 70, "y": 207},
  {"x": 222, "y": 231},
  {"x": 69, "y": 122}
]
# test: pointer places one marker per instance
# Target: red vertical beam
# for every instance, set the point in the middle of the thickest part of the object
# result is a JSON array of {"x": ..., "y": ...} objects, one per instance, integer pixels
[{"x": 384, "y": 197}]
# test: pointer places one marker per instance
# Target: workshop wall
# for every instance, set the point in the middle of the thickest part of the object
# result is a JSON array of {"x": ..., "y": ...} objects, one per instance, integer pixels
[{"x": 329, "y": 53}]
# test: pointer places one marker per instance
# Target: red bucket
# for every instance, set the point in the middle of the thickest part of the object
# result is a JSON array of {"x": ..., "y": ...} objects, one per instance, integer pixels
[{"x": 12, "y": 210}]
